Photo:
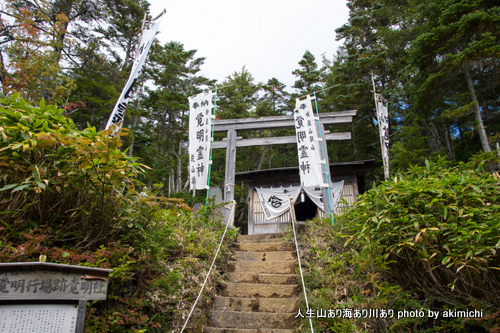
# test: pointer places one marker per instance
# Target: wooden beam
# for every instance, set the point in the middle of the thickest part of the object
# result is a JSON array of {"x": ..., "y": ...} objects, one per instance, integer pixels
[
  {"x": 277, "y": 140},
  {"x": 330, "y": 118},
  {"x": 230, "y": 166}
]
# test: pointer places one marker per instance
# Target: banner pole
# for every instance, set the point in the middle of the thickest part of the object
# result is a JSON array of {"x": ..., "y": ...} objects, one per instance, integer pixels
[
  {"x": 211, "y": 147},
  {"x": 324, "y": 159},
  {"x": 379, "y": 127},
  {"x": 117, "y": 116}
]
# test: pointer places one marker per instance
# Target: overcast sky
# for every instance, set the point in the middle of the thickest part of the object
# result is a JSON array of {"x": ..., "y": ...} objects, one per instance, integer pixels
[{"x": 268, "y": 37}]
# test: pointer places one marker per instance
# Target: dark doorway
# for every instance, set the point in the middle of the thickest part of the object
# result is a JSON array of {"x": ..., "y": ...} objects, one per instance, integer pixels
[{"x": 305, "y": 210}]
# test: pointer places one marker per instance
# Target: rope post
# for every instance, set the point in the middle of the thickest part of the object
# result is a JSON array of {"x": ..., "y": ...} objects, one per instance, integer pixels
[{"x": 292, "y": 212}]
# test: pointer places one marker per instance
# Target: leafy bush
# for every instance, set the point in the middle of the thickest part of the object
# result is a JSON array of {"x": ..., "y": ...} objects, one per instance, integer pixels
[
  {"x": 439, "y": 227},
  {"x": 155, "y": 278},
  {"x": 77, "y": 186},
  {"x": 342, "y": 277},
  {"x": 71, "y": 196},
  {"x": 426, "y": 241}
]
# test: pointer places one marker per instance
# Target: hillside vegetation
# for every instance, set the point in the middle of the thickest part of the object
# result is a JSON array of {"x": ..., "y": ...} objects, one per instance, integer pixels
[
  {"x": 72, "y": 196},
  {"x": 428, "y": 240}
]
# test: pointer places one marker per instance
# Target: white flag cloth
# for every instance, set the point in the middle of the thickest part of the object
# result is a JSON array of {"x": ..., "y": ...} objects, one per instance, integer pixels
[
  {"x": 200, "y": 137},
  {"x": 306, "y": 131},
  {"x": 275, "y": 202},
  {"x": 116, "y": 119},
  {"x": 315, "y": 193},
  {"x": 383, "y": 123}
]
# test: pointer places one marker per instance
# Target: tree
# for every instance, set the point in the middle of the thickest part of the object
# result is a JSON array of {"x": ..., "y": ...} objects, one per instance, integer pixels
[
  {"x": 31, "y": 55},
  {"x": 161, "y": 137},
  {"x": 273, "y": 100},
  {"x": 309, "y": 76},
  {"x": 434, "y": 61},
  {"x": 271, "y": 103},
  {"x": 122, "y": 29},
  {"x": 102, "y": 72},
  {"x": 458, "y": 43},
  {"x": 238, "y": 96},
  {"x": 45, "y": 38}
]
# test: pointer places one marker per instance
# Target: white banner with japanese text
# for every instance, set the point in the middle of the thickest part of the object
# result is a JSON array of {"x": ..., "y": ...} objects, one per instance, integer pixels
[
  {"x": 383, "y": 123},
  {"x": 306, "y": 131},
  {"x": 115, "y": 121},
  {"x": 200, "y": 137}
]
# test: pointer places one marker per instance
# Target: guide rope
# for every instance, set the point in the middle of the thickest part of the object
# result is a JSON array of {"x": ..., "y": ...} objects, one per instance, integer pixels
[
  {"x": 211, "y": 267},
  {"x": 317, "y": 91},
  {"x": 292, "y": 212}
]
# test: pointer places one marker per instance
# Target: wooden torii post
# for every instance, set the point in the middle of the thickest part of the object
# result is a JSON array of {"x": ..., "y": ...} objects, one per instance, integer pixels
[{"x": 231, "y": 126}]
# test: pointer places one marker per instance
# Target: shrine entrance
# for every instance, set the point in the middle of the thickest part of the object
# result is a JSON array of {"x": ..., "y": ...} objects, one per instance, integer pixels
[
  {"x": 305, "y": 210},
  {"x": 232, "y": 141}
]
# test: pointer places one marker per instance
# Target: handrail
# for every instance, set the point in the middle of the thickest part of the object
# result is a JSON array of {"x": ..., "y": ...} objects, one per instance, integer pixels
[
  {"x": 292, "y": 212},
  {"x": 212, "y": 266}
]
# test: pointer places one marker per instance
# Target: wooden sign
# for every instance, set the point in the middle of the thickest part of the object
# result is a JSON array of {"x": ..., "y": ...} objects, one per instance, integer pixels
[
  {"x": 52, "y": 281},
  {"x": 48, "y": 298},
  {"x": 39, "y": 318}
]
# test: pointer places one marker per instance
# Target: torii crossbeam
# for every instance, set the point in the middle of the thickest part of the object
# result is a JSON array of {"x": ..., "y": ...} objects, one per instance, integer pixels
[{"x": 267, "y": 123}]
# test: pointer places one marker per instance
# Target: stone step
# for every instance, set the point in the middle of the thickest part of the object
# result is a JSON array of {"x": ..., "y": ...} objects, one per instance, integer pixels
[
  {"x": 276, "y": 237},
  {"x": 251, "y": 320},
  {"x": 262, "y": 278},
  {"x": 246, "y": 304},
  {"x": 265, "y": 240},
  {"x": 264, "y": 256},
  {"x": 243, "y": 330},
  {"x": 265, "y": 247},
  {"x": 259, "y": 290},
  {"x": 265, "y": 267}
]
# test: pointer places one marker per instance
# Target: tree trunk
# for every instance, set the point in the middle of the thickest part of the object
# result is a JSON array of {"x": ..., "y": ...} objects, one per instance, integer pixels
[
  {"x": 262, "y": 158},
  {"x": 178, "y": 183},
  {"x": 477, "y": 113},
  {"x": 433, "y": 138},
  {"x": 447, "y": 139},
  {"x": 131, "y": 147},
  {"x": 171, "y": 183}
]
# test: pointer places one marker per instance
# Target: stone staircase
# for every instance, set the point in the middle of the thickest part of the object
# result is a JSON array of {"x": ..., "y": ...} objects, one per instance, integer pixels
[{"x": 261, "y": 294}]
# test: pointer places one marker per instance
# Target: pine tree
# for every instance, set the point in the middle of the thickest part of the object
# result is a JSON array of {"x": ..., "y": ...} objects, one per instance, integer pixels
[{"x": 161, "y": 139}]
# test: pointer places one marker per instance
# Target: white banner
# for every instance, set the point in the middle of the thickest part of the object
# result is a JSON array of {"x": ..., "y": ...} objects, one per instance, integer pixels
[
  {"x": 275, "y": 202},
  {"x": 115, "y": 121},
  {"x": 383, "y": 123},
  {"x": 200, "y": 137},
  {"x": 315, "y": 193},
  {"x": 308, "y": 146}
]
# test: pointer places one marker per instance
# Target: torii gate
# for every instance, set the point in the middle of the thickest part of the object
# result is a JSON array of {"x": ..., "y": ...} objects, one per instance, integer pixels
[{"x": 266, "y": 123}]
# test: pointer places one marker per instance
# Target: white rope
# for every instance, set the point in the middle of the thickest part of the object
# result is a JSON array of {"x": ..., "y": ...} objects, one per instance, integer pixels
[
  {"x": 210, "y": 270},
  {"x": 292, "y": 211}
]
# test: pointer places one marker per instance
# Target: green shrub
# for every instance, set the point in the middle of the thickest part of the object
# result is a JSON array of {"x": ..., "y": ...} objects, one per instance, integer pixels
[
  {"x": 426, "y": 241},
  {"x": 439, "y": 228},
  {"x": 156, "y": 277},
  {"x": 74, "y": 185}
]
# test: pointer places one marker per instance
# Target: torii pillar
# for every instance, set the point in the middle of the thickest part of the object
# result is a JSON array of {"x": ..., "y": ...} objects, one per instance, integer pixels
[{"x": 230, "y": 175}]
